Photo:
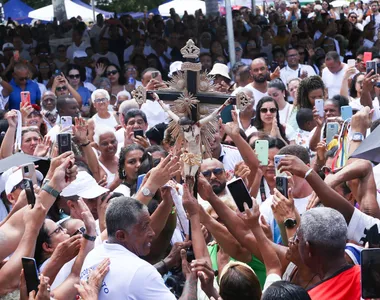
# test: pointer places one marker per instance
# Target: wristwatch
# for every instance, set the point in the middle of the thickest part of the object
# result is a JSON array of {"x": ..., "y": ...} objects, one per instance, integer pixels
[
  {"x": 48, "y": 189},
  {"x": 89, "y": 237},
  {"x": 146, "y": 192},
  {"x": 357, "y": 137},
  {"x": 290, "y": 223}
]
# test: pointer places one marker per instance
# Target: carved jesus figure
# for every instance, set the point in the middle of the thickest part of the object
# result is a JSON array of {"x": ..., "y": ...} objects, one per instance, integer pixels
[{"x": 191, "y": 131}]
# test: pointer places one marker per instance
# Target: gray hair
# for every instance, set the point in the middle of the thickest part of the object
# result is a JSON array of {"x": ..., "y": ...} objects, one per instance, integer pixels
[
  {"x": 100, "y": 130},
  {"x": 123, "y": 213},
  {"x": 123, "y": 93},
  {"x": 126, "y": 106},
  {"x": 100, "y": 91},
  {"x": 325, "y": 228}
]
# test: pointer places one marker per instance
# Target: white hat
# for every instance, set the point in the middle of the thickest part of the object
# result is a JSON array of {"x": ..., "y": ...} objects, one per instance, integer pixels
[
  {"x": 4, "y": 178},
  {"x": 175, "y": 67},
  {"x": 8, "y": 45},
  {"x": 79, "y": 54},
  {"x": 220, "y": 69},
  {"x": 13, "y": 180},
  {"x": 84, "y": 186}
]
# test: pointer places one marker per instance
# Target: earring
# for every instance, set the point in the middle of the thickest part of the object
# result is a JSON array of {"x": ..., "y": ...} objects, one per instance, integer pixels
[{"x": 123, "y": 173}]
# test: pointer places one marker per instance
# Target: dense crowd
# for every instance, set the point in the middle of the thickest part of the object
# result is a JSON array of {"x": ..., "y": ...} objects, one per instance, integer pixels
[{"x": 98, "y": 192}]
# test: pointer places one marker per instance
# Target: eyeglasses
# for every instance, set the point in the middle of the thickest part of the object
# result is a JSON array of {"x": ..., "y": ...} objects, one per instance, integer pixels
[
  {"x": 101, "y": 100},
  {"x": 353, "y": 17},
  {"x": 61, "y": 88},
  {"x": 73, "y": 76},
  {"x": 113, "y": 72},
  {"x": 216, "y": 172},
  {"x": 57, "y": 230},
  {"x": 272, "y": 110},
  {"x": 238, "y": 49}
]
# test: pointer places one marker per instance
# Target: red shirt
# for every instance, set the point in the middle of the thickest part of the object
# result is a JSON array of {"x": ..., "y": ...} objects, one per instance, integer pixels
[{"x": 345, "y": 285}]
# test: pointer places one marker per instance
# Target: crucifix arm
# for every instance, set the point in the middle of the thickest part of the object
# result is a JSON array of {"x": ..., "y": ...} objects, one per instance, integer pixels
[
  {"x": 165, "y": 108},
  {"x": 215, "y": 113}
]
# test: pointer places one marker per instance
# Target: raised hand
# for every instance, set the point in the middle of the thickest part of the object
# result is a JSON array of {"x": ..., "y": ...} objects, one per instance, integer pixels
[
  {"x": 87, "y": 217},
  {"x": 251, "y": 216},
  {"x": 67, "y": 250},
  {"x": 294, "y": 165},
  {"x": 283, "y": 208},
  {"x": 100, "y": 69},
  {"x": 43, "y": 147},
  {"x": 189, "y": 202},
  {"x": 11, "y": 117},
  {"x": 204, "y": 187},
  {"x": 318, "y": 119},
  {"x": 64, "y": 174},
  {"x": 80, "y": 130}
]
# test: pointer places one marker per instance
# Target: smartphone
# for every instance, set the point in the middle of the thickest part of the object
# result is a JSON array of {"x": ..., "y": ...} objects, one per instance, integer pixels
[
  {"x": 150, "y": 160},
  {"x": 66, "y": 122},
  {"x": 319, "y": 106},
  {"x": 367, "y": 57},
  {"x": 31, "y": 274},
  {"x": 351, "y": 62},
  {"x": 346, "y": 112},
  {"x": 282, "y": 185},
  {"x": 138, "y": 132},
  {"x": 27, "y": 185},
  {"x": 277, "y": 160},
  {"x": 140, "y": 180},
  {"x": 331, "y": 131},
  {"x": 16, "y": 55},
  {"x": 155, "y": 74},
  {"x": 262, "y": 149},
  {"x": 239, "y": 193},
  {"x": 64, "y": 142},
  {"x": 131, "y": 80},
  {"x": 25, "y": 97},
  {"x": 29, "y": 172},
  {"x": 371, "y": 65},
  {"x": 370, "y": 273}
]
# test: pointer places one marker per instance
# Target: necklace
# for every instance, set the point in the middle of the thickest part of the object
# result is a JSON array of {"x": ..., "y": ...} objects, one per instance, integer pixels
[{"x": 296, "y": 277}]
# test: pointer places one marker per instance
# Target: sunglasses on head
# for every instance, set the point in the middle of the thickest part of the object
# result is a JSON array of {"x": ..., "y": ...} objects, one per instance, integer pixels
[
  {"x": 113, "y": 72},
  {"x": 61, "y": 88},
  {"x": 271, "y": 110},
  {"x": 216, "y": 172},
  {"x": 77, "y": 76}
]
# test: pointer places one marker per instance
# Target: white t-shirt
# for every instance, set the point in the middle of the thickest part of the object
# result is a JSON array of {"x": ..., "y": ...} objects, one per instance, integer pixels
[
  {"x": 287, "y": 73},
  {"x": 129, "y": 276},
  {"x": 333, "y": 82},
  {"x": 231, "y": 156},
  {"x": 154, "y": 113},
  {"x": 358, "y": 223},
  {"x": 285, "y": 114},
  {"x": 257, "y": 95}
]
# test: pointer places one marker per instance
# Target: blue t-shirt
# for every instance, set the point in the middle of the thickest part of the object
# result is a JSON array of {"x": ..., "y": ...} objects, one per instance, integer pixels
[
  {"x": 15, "y": 97},
  {"x": 84, "y": 94}
]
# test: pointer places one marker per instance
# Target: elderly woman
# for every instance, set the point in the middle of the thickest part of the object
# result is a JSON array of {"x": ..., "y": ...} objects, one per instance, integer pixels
[
  {"x": 120, "y": 98},
  {"x": 106, "y": 143},
  {"x": 103, "y": 117}
]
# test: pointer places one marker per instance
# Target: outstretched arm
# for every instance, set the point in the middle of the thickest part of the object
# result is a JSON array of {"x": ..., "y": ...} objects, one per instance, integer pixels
[
  {"x": 165, "y": 108},
  {"x": 215, "y": 113}
]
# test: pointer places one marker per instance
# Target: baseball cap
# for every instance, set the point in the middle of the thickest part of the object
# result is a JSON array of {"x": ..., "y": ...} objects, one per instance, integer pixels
[
  {"x": 14, "y": 179},
  {"x": 220, "y": 69},
  {"x": 84, "y": 186},
  {"x": 79, "y": 54},
  {"x": 8, "y": 46},
  {"x": 175, "y": 67}
]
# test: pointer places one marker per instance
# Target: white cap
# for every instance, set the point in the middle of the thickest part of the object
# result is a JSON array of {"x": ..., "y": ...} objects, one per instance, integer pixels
[
  {"x": 13, "y": 180},
  {"x": 175, "y": 67},
  {"x": 4, "y": 178},
  {"x": 79, "y": 54},
  {"x": 8, "y": 45},
  {"x": 220, "y": 69},
  {"x": 84, "y": 186}
]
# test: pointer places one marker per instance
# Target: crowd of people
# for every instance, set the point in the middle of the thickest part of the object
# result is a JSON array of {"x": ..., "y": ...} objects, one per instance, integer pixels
[{"x": 114, "y": 217}]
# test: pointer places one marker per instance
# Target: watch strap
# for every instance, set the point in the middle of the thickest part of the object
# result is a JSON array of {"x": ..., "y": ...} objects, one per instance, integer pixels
[
  {"x": 89, "y": 237},
  {"x": 48, "y": 189}
]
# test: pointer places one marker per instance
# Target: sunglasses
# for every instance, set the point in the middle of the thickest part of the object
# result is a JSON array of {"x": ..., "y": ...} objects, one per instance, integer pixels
[
  {"x": 216, "y": 172},
  {"x": 57, "y": 230},
  {"x": 23, "y": 78},
  {"x": 101, "y": 100},
  {"x": 271, "y": 110},
  {"x": 113, "y": 72},
  {"x": 81, "y": 231},
  {"x": 62, "y": 88},
  {"x": 74, "y": 76}
]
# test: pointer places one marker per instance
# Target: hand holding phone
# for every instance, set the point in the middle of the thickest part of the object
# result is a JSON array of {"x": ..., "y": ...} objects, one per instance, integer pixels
[
  {"x": 282, "y": 185},
  {"x": 319, "y": 106},
  {"x": 240, "y": 193},
  {"x": 277, "y": 160},
  {"x": 27, "y": 185},
  {"x": 371, "y": 65},
  {"x": 25, "y": 98},
  {"x": 31, "y": 274},
  {"x": 262, "y": 150},
  {"x": 138, "y": 132},
  {"x": 29, "y": 172},
  {"x": 64, "y": 142},
  {"x": 351, "y": 62}
]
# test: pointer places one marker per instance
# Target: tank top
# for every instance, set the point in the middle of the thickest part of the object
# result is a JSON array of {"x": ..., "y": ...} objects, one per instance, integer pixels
[
  {"x": 110, "y": 176},
  {"x": 110, "y": 122}
]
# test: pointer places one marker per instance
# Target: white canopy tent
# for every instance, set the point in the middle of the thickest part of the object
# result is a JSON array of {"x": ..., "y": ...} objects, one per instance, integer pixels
[
  {"x": 180, "y": 6},
  {"x": 72, "y": 10}
]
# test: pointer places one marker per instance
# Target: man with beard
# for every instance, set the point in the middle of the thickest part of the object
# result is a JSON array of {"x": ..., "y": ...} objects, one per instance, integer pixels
[
  {"x": 294, "y": 69},
  {"x": 260, "y": 75},
  {"x": 213, "y": 170}
]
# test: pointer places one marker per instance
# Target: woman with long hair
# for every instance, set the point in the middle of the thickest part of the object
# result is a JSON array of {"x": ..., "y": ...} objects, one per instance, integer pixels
[
  {"x": 267, "y": 119},
  {"x": 277, "y": 90},
  {"x": 310, "y": 89},
  {"x": 116, "y": 78},
  {"x": 130, "y": 159}
]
